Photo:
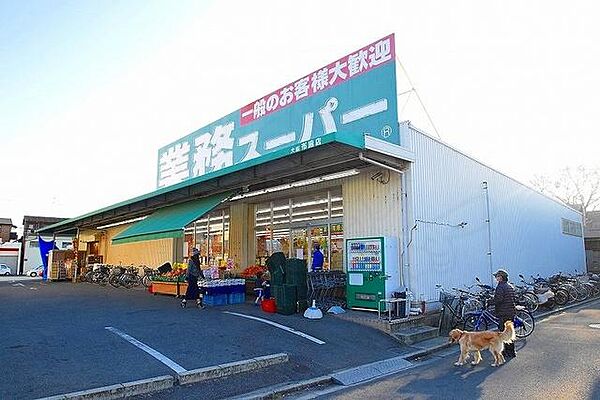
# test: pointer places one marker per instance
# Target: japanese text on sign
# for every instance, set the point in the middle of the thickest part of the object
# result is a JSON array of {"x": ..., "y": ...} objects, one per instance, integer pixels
[
  {"x": 212, "y": 151},
  {"x": 345, "y": 68},
  {"x": 330, "y": 102}
]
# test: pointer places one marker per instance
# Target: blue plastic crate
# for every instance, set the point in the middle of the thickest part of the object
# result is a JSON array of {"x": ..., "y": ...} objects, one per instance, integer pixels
[
  {"x": 236, "y": 298},
  {"x": 208, "y": 300},
  {"x": 215, "y": 300},
  {"x": 220, "y": 300}
]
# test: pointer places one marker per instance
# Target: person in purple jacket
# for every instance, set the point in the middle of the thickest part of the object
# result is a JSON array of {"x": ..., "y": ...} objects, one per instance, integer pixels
[{"x": 317, "y": 258}]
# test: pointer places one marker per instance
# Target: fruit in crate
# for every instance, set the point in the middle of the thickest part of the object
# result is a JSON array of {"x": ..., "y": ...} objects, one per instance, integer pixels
[{"x": 251, "y": 271}]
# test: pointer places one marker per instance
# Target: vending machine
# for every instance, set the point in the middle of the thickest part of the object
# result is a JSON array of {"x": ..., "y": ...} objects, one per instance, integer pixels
[{"x": 373, "y": 273}]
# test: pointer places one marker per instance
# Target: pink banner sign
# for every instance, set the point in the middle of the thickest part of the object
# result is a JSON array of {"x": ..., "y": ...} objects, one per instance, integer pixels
[{"x": 347, "y": 67}]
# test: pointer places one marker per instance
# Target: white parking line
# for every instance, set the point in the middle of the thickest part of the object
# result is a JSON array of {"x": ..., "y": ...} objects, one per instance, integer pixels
[
  {"x": 160, "y": 357},
  {"x": 275, "y": 324}
]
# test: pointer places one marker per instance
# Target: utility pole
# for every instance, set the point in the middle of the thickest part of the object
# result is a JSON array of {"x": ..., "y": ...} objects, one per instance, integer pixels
[{"x": 484, "y": 185}]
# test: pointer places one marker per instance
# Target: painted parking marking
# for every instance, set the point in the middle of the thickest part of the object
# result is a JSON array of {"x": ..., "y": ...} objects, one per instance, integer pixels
[
  {"x": 142, "y": 346},
  {"x": 275, "y": 324}
]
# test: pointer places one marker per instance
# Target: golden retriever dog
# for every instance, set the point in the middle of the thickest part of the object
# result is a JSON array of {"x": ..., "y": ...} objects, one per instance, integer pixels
[{"x": 477, "y": 341}]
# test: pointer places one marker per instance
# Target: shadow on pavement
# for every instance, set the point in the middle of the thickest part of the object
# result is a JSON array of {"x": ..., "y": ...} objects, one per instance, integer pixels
[{"x": 463, "y": 382}]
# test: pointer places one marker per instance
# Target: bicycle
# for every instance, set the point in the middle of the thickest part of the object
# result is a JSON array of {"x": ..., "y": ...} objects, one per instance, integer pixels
[
  {"x": 456, "y": 306},
  {"x": 148, "y": 274},
  {"x": 480, "y": 320},
  {"x": 130, "y": 278},
  {"x": 115, "y": 276}
]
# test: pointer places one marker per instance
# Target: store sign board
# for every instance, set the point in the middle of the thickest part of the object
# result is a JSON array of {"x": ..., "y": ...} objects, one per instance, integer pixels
[{"x": 352, "y": 96}]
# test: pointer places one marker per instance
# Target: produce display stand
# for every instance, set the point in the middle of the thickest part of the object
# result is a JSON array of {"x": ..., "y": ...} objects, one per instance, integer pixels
[{"x": 171, "y": 288}]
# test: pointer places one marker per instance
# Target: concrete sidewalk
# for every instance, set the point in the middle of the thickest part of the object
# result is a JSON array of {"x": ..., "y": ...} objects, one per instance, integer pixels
[{"x": 369, "y": 372}]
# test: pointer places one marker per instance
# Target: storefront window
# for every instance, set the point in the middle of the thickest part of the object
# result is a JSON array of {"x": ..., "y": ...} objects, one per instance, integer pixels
[
  {"x": 226, "y": 237},
  {"x": 337, "y": 247},
  {"x": 319, "y": 235},
  {"x": 294, "y": 225},
  {"x": 261, "y": 247},
  {"x": 212, "y": 237},
  {"x": 300, "y": 244}
]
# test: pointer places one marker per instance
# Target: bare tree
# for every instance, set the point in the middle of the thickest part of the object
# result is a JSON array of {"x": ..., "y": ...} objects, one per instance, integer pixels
[{"x": 578, "y": 187}]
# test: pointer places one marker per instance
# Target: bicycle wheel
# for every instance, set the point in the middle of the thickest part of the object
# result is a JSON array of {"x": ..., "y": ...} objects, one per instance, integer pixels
[
  {"x": 582, "y": 293},
  {"x": 561, "y": 297},
  {"x": 114, "y": 281},
  {"x": 475, "y": 322},
  {"x": 127, "y": 281},
  {"x": 572, "y": 292},
  {"x": 146, "y": 281},
  {"x": 524, "y": 323},
  {"x": 530, "y": 301},
  {"x": 103, "y": 279},
  {"x": 470, "y": 306},
  {"x": 595, "y": 290}
]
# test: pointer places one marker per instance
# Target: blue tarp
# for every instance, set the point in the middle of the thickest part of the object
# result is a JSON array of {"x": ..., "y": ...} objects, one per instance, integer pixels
[{"x": 45, "y": 248}]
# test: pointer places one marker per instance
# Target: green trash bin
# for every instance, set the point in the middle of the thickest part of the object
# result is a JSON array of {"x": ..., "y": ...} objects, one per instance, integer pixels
[{"x": 286, "y": 302}]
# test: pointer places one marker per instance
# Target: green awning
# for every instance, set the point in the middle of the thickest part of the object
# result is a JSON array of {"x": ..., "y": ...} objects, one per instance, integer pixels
[{"x": 169, "y": 222}]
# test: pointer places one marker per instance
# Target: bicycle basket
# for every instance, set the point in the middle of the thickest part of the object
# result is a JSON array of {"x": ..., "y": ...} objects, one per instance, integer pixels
[{"x": 446, "y": 298}]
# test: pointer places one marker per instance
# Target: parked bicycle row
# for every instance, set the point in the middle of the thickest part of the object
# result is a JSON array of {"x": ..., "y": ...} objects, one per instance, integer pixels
[
  {"x": 119, "y": 276},
  {"x": 471, "y": 308},
  {"x": 556, "y": 290}
]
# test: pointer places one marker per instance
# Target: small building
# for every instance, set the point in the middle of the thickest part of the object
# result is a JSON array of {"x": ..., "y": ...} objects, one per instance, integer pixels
[
  {"x": 9, "y": 255},
  {"x": 592, "y": 242},
  {"x": 6, "y": 233},
  {"x": 30, "y": 251}
]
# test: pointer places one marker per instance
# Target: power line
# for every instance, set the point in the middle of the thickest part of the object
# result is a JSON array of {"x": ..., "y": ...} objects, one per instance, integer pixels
[{"x": 413, "y": 89}]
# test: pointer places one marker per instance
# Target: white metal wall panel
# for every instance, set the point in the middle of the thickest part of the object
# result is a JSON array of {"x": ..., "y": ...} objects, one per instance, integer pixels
[
  {"x": 526, "y": 235},
  {"x": 372, "y": 208}
]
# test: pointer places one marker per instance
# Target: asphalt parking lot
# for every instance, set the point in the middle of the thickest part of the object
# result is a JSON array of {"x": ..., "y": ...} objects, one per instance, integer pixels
[{"x": 54, "y": 340}]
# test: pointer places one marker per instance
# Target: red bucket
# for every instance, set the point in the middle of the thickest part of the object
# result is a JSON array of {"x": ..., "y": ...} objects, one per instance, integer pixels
[{"x": 269, "y": 306}]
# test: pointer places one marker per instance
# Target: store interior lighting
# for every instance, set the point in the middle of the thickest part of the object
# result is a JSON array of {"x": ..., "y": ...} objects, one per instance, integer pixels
[
  {"x": 337, "y": 175},
  {"x": 297, "y": 205}
]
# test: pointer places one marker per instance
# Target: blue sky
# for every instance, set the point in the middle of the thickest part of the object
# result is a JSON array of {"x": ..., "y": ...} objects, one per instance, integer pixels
[
  {"x": 90, "y": 90},
  {"x": 54, "y": 52}
]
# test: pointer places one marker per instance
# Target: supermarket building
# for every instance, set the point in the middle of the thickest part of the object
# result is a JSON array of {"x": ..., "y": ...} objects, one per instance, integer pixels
[{"x": 326, "y": 160}]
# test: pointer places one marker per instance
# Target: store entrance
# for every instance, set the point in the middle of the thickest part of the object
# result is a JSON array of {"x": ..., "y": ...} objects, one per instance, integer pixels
[{"x": 294, "y": 225}]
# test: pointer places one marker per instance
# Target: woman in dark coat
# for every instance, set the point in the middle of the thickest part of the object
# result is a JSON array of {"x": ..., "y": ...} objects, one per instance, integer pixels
[
  {"x": 193, "y": 273},
  {"x": 504, "y": 302}
]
